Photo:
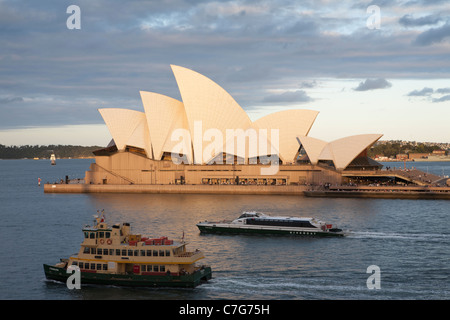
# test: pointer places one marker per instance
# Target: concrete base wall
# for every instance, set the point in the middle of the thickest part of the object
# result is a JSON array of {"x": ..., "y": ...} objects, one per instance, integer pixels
[{"x": 180, "y": 189}]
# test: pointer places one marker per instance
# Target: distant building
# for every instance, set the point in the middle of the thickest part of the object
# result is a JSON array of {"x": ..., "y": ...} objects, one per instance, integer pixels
[{"x": 413, "y": 156}]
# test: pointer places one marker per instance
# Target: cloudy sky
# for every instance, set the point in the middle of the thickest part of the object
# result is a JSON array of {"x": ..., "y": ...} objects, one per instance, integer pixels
[{"x": 363, "y": 75}]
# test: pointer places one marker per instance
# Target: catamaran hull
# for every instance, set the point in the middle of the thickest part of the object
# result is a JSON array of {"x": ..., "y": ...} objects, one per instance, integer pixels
[
  {"x": 132, "y": 280},
  {"x": 229, "y": 229}
]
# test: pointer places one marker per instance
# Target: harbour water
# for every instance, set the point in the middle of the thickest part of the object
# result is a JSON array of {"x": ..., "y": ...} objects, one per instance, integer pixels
[{"x": 409, "y": 240}]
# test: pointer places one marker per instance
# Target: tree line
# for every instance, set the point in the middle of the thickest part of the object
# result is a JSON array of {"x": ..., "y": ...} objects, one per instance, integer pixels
[
  {"x": 391, "y": 149},
  {"x": 41, "y": 151}
]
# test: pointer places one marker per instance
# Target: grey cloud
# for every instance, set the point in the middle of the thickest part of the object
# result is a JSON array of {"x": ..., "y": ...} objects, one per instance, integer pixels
[
  {"x": 408, "y": 21},
  {"x": 419, "y": 93},
  {"x": 442, "y": 99},
  {"x": 434, "y": 35},
  {"x": 10, "y": 99},
  {"x": 298, "y": 96},
  {"x": 372, "y": 84},
  {"x": 443, "y": 90},
  {"x": 308, "y": 84}
]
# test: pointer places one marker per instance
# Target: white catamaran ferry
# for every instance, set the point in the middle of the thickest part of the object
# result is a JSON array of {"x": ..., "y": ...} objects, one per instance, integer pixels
[{"x": 260, "y": 223}]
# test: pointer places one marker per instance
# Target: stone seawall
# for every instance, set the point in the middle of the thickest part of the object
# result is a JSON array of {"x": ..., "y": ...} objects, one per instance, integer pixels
[{"x": 189, "y": 189}]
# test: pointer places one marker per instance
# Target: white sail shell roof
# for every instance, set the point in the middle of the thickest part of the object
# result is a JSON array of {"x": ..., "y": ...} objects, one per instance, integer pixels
[
  {"x": 341, "y": 151},
  {"x": 206, "y": 101},
  {"x": 290, "y": 124},
  {"x": 206, "y": 107},
  {"x": 121, "y": 124},
  {"x": 164, "y": 115}
]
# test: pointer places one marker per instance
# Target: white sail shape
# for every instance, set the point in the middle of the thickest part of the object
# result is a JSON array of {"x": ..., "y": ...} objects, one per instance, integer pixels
[
  {"x": 208, "y": 107},
  {"x": 121, "y": 123}
]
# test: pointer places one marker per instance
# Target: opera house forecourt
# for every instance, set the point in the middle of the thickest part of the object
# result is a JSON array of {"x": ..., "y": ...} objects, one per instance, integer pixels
[{"x": 206, "y": 143}]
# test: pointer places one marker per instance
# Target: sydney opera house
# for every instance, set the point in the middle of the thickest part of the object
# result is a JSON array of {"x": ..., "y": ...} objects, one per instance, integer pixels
[{"x": 207, "y": 138}]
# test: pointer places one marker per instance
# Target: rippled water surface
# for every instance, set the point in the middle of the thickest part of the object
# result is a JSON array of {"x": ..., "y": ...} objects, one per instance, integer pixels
[{"x": 409, "y": 240}]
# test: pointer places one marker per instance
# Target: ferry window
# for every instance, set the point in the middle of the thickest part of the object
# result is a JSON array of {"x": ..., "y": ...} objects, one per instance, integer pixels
[
  {"x": 74, "y": 263},
  {"x": 142, "y": 253},
  {"x": 86, "y": 250},
  {"x": 105, "y": 267},
  {"x": 92, "y": 235},
  {"x": 81, "y": 265},
  {"x": 124, "y": 252},
  {"x": 108, "y": 235},
  {"x": 111, "y": 252},
  {"x": 130, "y": 253},
  {"x": 92, "y": 266},
  {"x": 136, "y": 253},
  {"x": 99, "y": 266},
  {"x": 149, "y": 253},
  {"x": 155, "y": 268},
  {"x": 92, "y": 250},
  {"x": 105, "y": 251},
  {"x": 143, "y": 268},
  {"x": 149, "y": 268},
  {"x": 167, "y": 253},
  {"x": 101, "y": 234},
  {"x": 117, "y": 252},
  {"x": 86, "y": 235},
  {"x": 155, "y": 253},
  {"x": 161, "y": 253},
  {"x": 162, "y": 268}
]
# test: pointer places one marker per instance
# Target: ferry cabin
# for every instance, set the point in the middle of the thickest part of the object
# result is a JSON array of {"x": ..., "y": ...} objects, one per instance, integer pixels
[{"x": 114, "y": 250}]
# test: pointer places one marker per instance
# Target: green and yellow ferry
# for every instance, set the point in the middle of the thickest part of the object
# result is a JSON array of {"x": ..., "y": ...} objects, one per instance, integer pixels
[{"x": 112, "y": 255}]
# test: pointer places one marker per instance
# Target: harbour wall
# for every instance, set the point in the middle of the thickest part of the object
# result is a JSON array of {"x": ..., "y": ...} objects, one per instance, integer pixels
[
  {"x": 392, "y": 192},
  {"x": 174, "y": 189}
]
